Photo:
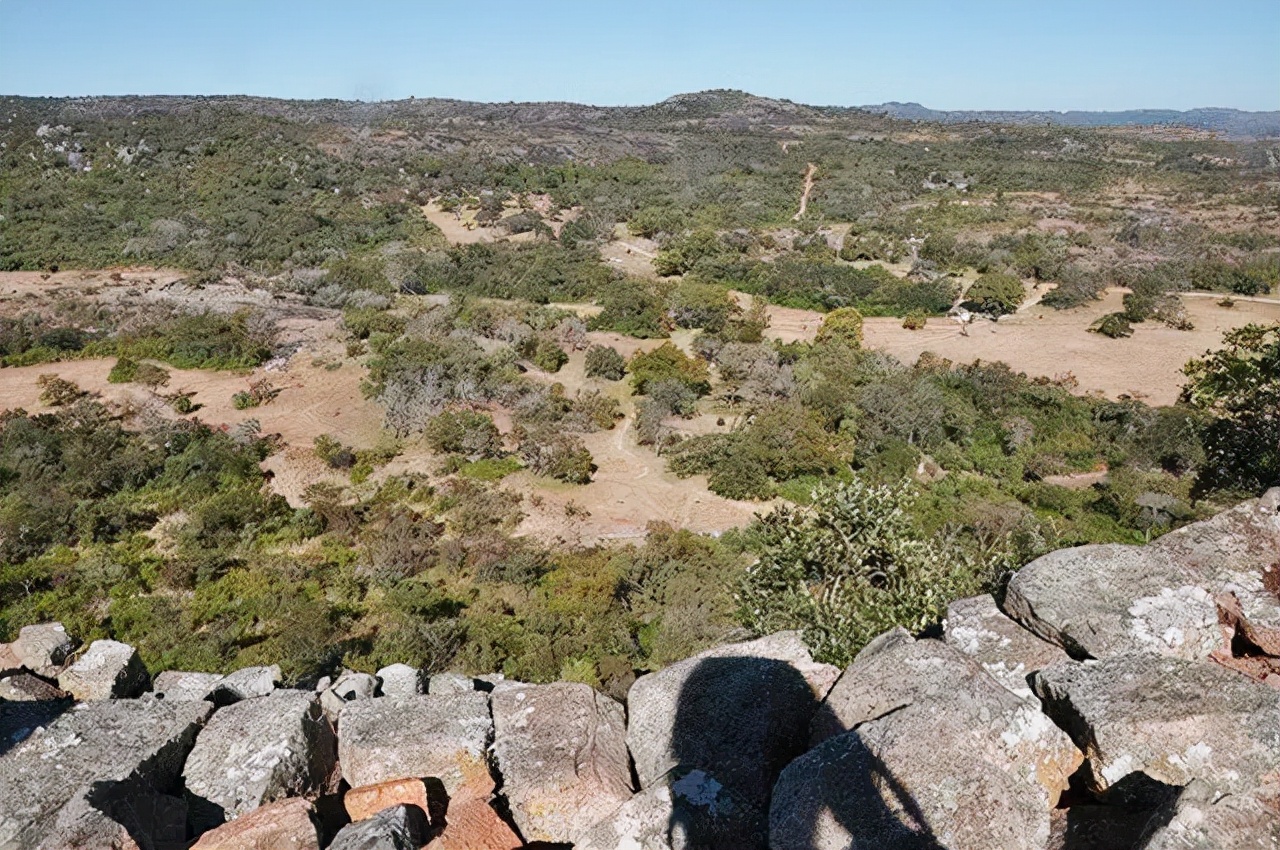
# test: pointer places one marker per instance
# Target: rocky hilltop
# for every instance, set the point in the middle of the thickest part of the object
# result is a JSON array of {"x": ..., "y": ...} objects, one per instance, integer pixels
[{"x": 1115, "y": 697}]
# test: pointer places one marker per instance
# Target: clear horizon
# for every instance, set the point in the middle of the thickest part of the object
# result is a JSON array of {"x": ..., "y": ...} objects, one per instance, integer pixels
[{"x": 983, "y": 55}]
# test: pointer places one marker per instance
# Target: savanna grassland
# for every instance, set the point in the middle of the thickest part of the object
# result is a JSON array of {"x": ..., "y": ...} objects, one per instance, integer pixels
[{"x": 570, "y": 392}]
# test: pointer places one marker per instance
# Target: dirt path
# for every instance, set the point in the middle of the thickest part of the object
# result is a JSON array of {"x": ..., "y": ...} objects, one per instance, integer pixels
[{"x": 808, "y": 187}]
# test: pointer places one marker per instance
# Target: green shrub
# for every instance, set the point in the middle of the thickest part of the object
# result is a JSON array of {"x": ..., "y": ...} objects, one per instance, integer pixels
[
  {"x": 848, "y": 567},
  {"x": 844, "y": 324},
  {"x": 57, "y": 392},
  {"x": 668, "y": 363},
  {"x": 464, "y": 432},
  {"x": 995, "y": 295},
  {"x": 123, "y": 371},
  {"x": 1114, "y": 325},
  {"x": 605, "y": 362}
]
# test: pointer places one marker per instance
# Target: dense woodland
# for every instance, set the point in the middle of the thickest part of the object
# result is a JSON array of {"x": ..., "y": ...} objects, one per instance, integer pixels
[{"x": 903, "y": 485}]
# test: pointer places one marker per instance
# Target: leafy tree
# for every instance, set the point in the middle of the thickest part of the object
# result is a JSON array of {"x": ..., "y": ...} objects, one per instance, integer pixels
[
  {"x": 844, "y": 324},
  {"x": 995, "y": 294},
  {"x": 464, "y": 432},
  {"x": 847, "y": 567},
  {"x": 668, "y": 363},
  {"x": 631, "y": 307},
  {"x": 605, "y": 362},
  {"x": 557, "y": 455},
  {"x": 1239, "y": 385}
]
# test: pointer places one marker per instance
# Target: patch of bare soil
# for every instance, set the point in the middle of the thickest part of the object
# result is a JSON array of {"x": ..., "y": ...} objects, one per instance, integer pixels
[
  {"x": 1050, "y": 343},
  {"x": 630, "y": 254}
]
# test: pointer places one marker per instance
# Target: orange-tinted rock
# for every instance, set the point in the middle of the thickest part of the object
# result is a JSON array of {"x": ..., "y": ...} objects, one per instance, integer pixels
[
  {"x": 284, "y": 825},
  {"x": 367, "y": 800},
  {"x": 472, "y": 824}
]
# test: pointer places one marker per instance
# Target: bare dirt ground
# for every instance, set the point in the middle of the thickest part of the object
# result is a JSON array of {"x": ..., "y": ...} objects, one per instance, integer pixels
[
  {"x": 631, "y": 486},
  {"x": 1045, "y": 342},
  {"x": 631, "y": 254}
]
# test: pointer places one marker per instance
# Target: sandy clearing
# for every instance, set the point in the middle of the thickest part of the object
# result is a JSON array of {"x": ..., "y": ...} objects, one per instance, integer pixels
[
  {"x": 1045, "y": 342},
  {"x": 809, "y": 172}
]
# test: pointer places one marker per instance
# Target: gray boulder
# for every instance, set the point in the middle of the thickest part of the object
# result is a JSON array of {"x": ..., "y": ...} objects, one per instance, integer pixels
[
  {"x": 562, "y": 753},
  {"x": 396, "y": 828},
  {"x": 898, "y": 675},
  {"x": 350, "y": 686},
  {"x": 107, "y": 670},
  {"x": 737, "y": 714},
  {"x": 978, "y": 628},
  {"x": 95, "y": 768},
  {"x": 904, "y": 782},
  {"x": 182, "y": 686},
  {"x": 25, "y": 687},
  {"x": 1105, "y": 600},
  {"x": 258, "y": 751},
  {"x": 402, "y": 680},
  {"x": 918, "y": 737},
  {"x": 1203, "y": 819},
  {"x": 1173, "y": 720},
  {"x": 246, "y": 683},
  {"x": 688, "y": 810},
  {"x": 43, "y": 648},
  {"x": 440, "y": 736},
  {"x": 451, "y": 683}
]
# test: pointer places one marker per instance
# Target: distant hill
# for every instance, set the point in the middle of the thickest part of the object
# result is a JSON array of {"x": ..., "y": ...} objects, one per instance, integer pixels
[{"x": 1231, "y": 122}]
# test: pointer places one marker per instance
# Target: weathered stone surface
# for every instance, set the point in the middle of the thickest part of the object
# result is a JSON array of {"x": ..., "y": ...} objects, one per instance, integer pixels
[
  {"x": 402, "y": 680},
  {"x": 20, "y": 719},
  {"x": 25, "y": 687},
  {"x": 246, "y": 683},
  {"x": 978, "y": 628},
  {"x": 95, "y": 760},
  {"x": 898, "y": 675},
  {"x": 367, "y": 800},
  {"x": 44, "y": 647},
  {"x": 441, "y": 736},
  {"x": 562, "y": 753},
  {"x": 9, "y": 660},
  {"x": 737, "y": 713},
  {"x": 474, "y": 825},
  {"x": 900, "y": 782},
  {"x": 350, "y": 686},
  {"x": 683, "y": 811},
  {"x": 284, "y": 825},
  {"x": 1104, "y": 600},
  {"x": 258, "y": 751},
  {"x": 886, "y": 640},
  {"x": 450, "y": 683},
  {"x": 397, "y": 828},
  {"x": 1203, "y": 819},
  {"x": 1173, "y": 720},
  {"x": 183, "y": 686},
  {"x": 107, "y": 669}
]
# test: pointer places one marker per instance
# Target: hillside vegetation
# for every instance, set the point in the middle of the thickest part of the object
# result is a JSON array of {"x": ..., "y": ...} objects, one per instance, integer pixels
[{"x": 885, "y": 489}]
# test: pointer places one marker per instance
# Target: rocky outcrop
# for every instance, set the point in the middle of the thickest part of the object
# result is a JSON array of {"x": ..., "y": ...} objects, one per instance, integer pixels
[
  {"x": 402, "y": 680},
  {"x": 286, "y": 825},
  {"x": 445, "y": 737},
  {"x": 561, "y": 750},
  {"x": 246, "y": 683},
  {"x": 1131, "y": 701},
  {"x": 978, "y": 628},
  {"x": 1098, "y": 601},
  {"x": 79, "y": 780},
  {"x": 108, "y": 669},
  {"x": 184, "y": 686},
  {"x": 400, "y": 827},
  {"x": 927, "y": 742},
  {"x": 367, "y": 800},
  {"x": 258, "y": 751},
  {"x": 724, "y": 723},
  {"x": 1173, "y": 720}
]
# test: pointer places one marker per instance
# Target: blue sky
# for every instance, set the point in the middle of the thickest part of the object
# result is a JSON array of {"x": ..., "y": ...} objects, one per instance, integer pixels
[{"x": 983, "y": 54}]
